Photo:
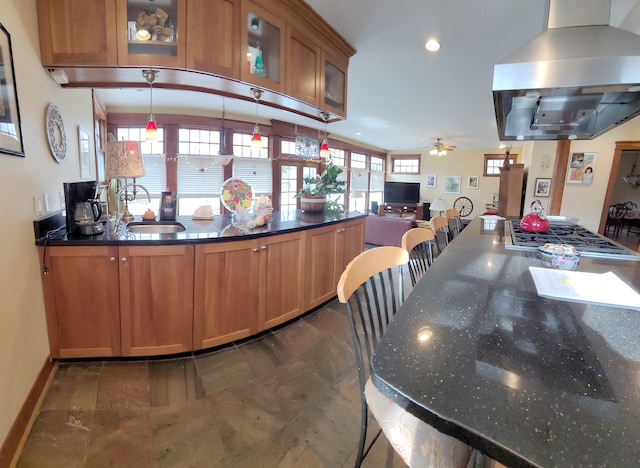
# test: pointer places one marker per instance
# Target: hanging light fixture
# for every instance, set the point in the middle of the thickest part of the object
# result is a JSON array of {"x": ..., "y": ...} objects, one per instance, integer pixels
[
  {"x": 151, "y": 132},
  {"x": 256, "y": 138},
  {"x": 633, "y": 179},
  {"x": 325, "y": 152}
]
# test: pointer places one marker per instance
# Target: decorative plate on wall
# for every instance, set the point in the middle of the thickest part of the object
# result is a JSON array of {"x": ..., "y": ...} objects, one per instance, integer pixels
[{"x": 56, "y": 136}]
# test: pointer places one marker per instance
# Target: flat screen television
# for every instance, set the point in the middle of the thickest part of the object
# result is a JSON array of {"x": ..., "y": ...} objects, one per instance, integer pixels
[{"x": 407, "y": 193}]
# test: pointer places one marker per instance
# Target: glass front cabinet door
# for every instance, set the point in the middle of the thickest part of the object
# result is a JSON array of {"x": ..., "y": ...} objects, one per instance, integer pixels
[
  {"x": 263, "y": 41},
  {"x": 335, "y": 86},
  {"x": 150, "y": 32}
]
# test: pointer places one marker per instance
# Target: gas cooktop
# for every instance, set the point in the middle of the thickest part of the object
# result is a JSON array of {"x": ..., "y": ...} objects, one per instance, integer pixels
[{"x": 587, "y": 243}]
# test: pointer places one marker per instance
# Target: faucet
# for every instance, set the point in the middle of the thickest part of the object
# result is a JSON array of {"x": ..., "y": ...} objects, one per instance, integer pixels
[{"x": 124, "y": 195}]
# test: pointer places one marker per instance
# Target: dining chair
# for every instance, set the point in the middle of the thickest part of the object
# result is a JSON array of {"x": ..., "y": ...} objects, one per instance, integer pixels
[
  {"x": 616, "y": 218},
  {"x": 454, "y": 222},
  {"x": 418, "y": 242},
  {"x": 440, "y": 226},
  {"x": 372, "y": 288}
]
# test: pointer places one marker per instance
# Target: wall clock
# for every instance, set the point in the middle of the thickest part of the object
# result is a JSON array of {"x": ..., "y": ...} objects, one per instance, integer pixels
[{"x": 56, "y": 136}]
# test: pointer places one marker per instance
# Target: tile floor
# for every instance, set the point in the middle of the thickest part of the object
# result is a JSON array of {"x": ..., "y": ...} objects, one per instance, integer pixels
[{"x": 286, "y": 399}]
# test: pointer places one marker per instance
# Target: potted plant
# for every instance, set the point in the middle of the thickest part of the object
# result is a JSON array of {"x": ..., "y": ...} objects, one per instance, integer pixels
[{"x": 313, "y": 196}]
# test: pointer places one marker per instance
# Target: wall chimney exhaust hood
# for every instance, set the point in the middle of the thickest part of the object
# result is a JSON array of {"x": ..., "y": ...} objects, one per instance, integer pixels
[{"x": 574, "y": 81}]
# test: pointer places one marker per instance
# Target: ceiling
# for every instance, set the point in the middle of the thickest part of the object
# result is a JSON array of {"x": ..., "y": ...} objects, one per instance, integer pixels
[{"x": 402, "y": 97}]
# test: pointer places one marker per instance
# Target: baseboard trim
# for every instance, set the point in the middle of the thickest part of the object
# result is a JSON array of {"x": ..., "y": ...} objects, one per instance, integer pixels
[{"x": 22, "y": 425}]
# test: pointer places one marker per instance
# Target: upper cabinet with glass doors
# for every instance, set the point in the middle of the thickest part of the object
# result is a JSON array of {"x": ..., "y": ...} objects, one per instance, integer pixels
[
  {"x": 263, "y": 42},
  {"x": 150, "y": 32},
  {"x": 218, "y": 46}
]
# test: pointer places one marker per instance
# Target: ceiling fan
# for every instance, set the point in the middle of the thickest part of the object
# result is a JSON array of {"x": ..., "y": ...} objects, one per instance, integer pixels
[{"x": 440, "y": 149}]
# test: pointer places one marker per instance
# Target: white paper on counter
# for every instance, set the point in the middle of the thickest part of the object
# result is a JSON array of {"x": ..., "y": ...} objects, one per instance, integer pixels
[
  {"x": 492, "y": 217},
  {"x": 580, "y": 286}
]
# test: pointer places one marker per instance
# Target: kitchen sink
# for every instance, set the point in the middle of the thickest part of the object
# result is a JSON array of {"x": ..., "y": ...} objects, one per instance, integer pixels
[{"x": 161, "y": 227}]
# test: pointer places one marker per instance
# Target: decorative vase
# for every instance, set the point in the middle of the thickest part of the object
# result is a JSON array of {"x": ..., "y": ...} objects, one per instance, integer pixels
[{"x": 314, "y": 203}]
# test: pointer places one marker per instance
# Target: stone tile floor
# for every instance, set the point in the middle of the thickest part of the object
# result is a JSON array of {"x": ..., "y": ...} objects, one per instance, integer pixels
[{"x": 288, "y": 398}]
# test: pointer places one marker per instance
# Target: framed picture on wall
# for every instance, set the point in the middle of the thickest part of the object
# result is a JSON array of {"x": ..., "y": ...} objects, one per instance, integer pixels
[
  {"x": 431, "y": 181},
  {"x": 473, "y": 182},
  {"x": 452, "y": 184},
  {"x": 543, "y": 187},
  {"x": 581, "y": 168},
  {"x": 10, "y": 126}
]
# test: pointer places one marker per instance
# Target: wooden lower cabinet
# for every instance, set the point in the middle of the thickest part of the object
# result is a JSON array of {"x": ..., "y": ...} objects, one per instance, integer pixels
[
  {"x": 82, "y": 298},
  {"x": 156, "y": 299},
  {"x": 118, "y": 301},
  {"x": 150, "y": 300},
  {"x": 329, "y": 250},
  {"x": 244, "y": 287}
]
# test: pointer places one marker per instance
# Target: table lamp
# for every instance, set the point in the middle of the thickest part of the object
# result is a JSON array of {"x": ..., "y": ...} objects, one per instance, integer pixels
[
  {"x": 439, "y": 205},
  {"x": 123, "y": 160}
]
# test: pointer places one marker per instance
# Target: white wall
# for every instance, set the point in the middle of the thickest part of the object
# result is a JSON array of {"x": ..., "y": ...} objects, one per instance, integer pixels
[
  {"x": 23, "y": 337},
  {"x": 583, "y": 201}
]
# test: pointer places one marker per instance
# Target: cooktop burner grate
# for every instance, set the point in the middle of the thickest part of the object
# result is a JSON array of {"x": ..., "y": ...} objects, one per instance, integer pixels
[{"x": 586, "y": 242}]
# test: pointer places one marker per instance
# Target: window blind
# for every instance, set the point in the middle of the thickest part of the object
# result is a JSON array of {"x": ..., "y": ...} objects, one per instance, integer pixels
[{"x": 255, "y": 172}]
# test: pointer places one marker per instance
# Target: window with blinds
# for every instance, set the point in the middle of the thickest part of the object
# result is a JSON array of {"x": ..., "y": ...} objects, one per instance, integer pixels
[
  {"x": 199, "y": 174},
  {"x": 255, "y": 172}
]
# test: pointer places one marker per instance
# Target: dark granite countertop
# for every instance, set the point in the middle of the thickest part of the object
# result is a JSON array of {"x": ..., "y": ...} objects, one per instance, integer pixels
[
  {"x": 219, "y": 229},
  {"x": 525, "y": 379}
]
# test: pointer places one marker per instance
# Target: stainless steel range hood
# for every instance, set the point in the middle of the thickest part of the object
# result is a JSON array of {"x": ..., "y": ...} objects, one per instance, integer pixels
[{"x": 569, "y": 82}]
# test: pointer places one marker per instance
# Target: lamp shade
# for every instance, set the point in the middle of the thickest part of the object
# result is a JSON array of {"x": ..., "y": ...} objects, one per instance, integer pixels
[
  {"x": 438, "y": 205},
  {"x": 123, "y": 160}
]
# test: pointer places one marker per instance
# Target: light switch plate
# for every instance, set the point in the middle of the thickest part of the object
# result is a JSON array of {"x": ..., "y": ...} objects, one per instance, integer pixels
[{"x": 38, "y": 204}]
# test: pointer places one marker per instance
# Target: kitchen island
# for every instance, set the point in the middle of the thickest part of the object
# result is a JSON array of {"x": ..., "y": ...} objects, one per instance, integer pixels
[
  {"x": 218, "y": 281},
  {"x": 524, "y": 379}
]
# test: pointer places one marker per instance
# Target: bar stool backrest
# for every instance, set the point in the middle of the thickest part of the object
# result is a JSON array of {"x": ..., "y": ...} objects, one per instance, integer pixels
[{"x": 418, "y": 242}]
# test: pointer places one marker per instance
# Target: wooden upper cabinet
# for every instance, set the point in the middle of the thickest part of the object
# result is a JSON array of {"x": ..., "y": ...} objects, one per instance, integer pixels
[
  {"x": 303, "y": 68},
  {"x": 263, "y": 47},
  {"x": 77, "y": 32},
  {"x": 334, "y": 85},
  {"x": 151, "y": 33},
  {"x": 213, "y": 42}
]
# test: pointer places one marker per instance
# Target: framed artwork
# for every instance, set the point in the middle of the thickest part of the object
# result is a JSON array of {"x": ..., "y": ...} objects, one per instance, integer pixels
[
  {"x": 473, "y": 182},
  {"x": 85, "y": 159},
  {"x": 581, "y": 168},
  {"x": 542, "y": 188},
  {"x": 307, "y": 147},
  {"x": 452, "y": 184},
  {"x": 431, "y": 181},
  {"x": 10, "y": 127}
]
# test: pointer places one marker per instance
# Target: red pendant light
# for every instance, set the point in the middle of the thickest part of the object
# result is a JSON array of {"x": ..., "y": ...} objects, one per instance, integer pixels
[
  {"x": 151, "y": 133},
  {"x": 325, "y": 152},
  {"x": 256, "y": 138}
]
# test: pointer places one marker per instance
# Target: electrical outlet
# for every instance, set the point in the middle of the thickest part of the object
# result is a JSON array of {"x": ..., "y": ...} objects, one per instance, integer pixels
[
  {"x": 47, "y": 204},
  {"x": 38, "y": 204}
]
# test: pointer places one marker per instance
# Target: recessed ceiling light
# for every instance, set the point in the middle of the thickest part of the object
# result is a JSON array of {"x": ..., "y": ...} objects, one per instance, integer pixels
[
  {"x": 432, "y": 45},
  {"x": 358, "y": 133}
]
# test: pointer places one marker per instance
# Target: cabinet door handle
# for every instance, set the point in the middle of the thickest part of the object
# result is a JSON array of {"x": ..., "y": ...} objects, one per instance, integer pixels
[
  {"x": 264, "y": 247},
  {"x": 112, "y": 259},
  {"x": 341, "y": 230},
  {"x": 256, "y": 250},
  {"x": 124, "y": 259}
]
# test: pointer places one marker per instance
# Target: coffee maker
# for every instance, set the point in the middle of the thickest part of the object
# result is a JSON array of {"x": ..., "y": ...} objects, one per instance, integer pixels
[{"x": 83, "y": 208}]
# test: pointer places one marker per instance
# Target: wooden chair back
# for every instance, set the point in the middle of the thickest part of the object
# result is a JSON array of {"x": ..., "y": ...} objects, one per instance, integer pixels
[
  {"x": 440, "y": 226},
  {"x": 372, "y": 288},
  {"x": 418, "y": 243},
  {"x": 453, "y": 218}
]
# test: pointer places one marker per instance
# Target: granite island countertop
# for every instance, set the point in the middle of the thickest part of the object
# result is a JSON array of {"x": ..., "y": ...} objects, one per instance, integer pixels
[
  {"x": 527, "y": 380},
  {"x": 221, "y": 228}
]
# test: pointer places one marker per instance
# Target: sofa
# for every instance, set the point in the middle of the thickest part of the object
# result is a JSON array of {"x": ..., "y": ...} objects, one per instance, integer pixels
[{"x": 386, "y": 230}]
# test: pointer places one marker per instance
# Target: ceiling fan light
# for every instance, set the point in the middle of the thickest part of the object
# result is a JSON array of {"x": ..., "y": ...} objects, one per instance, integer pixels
[{"x": 256, "y": 138}]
